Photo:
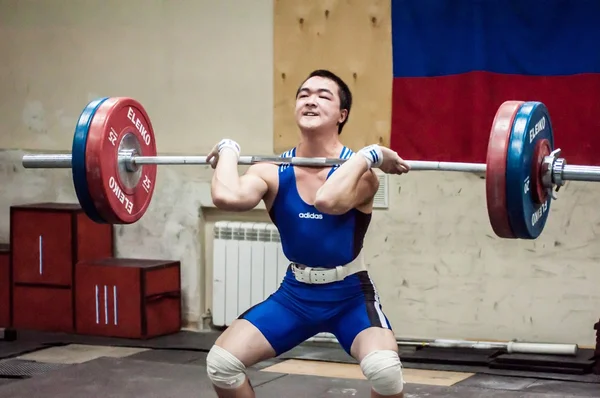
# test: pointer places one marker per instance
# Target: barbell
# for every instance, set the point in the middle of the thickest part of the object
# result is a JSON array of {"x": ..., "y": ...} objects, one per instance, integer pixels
[{"x": 114, "y": 160}]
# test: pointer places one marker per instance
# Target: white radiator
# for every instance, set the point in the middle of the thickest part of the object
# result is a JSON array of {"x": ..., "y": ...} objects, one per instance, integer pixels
[{"x": 248, "y": 265}]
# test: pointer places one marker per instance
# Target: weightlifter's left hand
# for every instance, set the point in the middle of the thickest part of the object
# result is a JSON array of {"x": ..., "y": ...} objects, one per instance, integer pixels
[{"x": 385, "y": 159}]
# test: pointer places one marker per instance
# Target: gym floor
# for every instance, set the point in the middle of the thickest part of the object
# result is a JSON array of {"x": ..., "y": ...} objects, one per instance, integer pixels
[{"x": 44, "y": 365}]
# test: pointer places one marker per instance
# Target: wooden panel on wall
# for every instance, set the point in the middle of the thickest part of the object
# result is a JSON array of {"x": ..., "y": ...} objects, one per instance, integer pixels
[{"x": 351, "y": 38}]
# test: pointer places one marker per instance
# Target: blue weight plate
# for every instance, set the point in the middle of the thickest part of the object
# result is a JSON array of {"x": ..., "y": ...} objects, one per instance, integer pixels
[
  {"x": 531, "y": 124},
  {"x": 78, "y": 160}
]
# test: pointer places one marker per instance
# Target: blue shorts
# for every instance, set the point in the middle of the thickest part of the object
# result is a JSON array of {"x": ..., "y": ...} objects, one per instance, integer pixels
[{"x": 298, "y": 311}]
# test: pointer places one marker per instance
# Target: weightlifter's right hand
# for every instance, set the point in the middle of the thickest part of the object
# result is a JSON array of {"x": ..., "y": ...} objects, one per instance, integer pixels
[{"x": 225, "y": 144}]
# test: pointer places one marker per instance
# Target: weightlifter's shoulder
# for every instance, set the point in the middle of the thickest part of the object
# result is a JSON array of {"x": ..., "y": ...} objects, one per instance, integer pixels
[{"x": 265, "y": 171}]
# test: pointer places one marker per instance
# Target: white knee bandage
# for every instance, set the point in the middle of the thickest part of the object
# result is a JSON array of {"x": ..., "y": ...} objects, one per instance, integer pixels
[
  {"x": 384, "y": 370},
  {"x": 224, "y": 369}
]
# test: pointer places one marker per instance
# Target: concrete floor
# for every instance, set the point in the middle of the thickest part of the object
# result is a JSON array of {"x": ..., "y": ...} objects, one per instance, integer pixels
[{"x": 96, "y": 370}]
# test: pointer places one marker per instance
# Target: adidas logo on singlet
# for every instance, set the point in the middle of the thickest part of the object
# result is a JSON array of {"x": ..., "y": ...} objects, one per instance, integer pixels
[{"x": 314, "y": 216}]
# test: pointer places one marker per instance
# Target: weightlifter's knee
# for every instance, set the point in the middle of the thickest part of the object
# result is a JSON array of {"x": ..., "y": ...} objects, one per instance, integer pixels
[
  {"x": 384, "y": 370},
  {"x": 224, "y": 369}
]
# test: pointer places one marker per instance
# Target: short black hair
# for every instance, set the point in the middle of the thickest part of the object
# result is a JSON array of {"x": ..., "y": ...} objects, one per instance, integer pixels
[{"x": 343, "y": 91}]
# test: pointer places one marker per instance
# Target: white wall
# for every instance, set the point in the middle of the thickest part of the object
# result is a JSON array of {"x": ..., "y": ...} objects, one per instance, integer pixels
[{"x": 203, "y": 70}]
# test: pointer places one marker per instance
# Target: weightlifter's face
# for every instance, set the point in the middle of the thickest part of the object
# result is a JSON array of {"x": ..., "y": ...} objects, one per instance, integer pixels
[{"x": 318, "y": 105}]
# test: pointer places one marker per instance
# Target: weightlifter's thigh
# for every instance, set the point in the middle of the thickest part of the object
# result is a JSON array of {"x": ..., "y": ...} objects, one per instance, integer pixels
[
  {"x": 246, "y": 342},
  {"x": 266, "y": 330}
]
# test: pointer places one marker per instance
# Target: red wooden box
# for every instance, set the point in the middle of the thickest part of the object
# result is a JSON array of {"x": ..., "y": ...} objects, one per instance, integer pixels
[
  {"x": 48, "y": 239},
  {"x": 5, "y": 285},
  {"x": 131, "y": 298},
  {"x": 43, "y": 308}
]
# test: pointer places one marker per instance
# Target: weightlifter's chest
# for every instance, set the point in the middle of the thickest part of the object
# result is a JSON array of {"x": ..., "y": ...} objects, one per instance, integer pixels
[{"x": 308, "y": 181}]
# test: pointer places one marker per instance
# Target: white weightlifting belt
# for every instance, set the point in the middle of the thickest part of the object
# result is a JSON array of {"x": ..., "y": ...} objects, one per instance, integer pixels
[{"x": 317, "y": 275}]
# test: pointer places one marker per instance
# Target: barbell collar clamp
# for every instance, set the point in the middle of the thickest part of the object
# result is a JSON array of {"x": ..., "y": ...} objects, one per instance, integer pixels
[
  {"x": 546, "y": 175},
  {"x": 558, "y": 169}
]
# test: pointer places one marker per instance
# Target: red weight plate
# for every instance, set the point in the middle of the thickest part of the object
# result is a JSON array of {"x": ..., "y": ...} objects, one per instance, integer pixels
[
  {"x": 120, "y": 196},
  {"x": 538, "y": 192},
  {"x": 495, "y": 174}
]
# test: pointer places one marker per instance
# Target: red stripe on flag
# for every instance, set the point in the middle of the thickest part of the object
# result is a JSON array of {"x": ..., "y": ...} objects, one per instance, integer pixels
[{"x": 449, "y": 118}]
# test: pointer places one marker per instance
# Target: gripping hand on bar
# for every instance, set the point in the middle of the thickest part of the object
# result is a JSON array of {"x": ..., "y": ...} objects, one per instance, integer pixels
[{"x": 375, "y": 156}]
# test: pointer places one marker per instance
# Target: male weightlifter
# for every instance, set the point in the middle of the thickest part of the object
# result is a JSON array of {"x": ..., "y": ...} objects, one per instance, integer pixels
[{"x": 322, "y": 215}]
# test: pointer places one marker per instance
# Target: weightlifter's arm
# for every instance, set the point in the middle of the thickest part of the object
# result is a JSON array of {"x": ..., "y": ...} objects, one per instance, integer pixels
[
  {"x": 229, "y": 191},
  {"x": 354, "y": 184}
]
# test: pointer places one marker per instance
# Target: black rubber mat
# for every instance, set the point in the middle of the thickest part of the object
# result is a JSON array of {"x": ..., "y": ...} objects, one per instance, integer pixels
[
  {"x": 452, "y": 356},
  {"x": 122, "y": 378},
  {"x": 299, "y": 386},
  {"x": 586, "y": 378},
  {"x": 7, "y": 334},
  {"x": 18, "y": 368},
  {"x": 15, "y": 348},
  {"x": 183, "y": 340},
  {"x": 538, "y": 368},
  {"x": 582, "y": 361},
  {"x": 531, "y": 385}
]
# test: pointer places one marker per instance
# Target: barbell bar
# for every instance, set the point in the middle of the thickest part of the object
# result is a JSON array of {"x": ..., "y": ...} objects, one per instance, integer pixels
[
  {"x": 63, "y": 161},
  {"x": 114, "y": 162}
]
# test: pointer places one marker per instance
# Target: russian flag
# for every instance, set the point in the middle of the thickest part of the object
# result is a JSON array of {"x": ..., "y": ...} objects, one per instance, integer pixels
[{"x": 456, "y": 61}]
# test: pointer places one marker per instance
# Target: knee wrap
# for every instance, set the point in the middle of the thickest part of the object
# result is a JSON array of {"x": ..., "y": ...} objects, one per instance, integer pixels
[
  {"x": 224, "y": 369},
  {"x": 384, "y": 370}
]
